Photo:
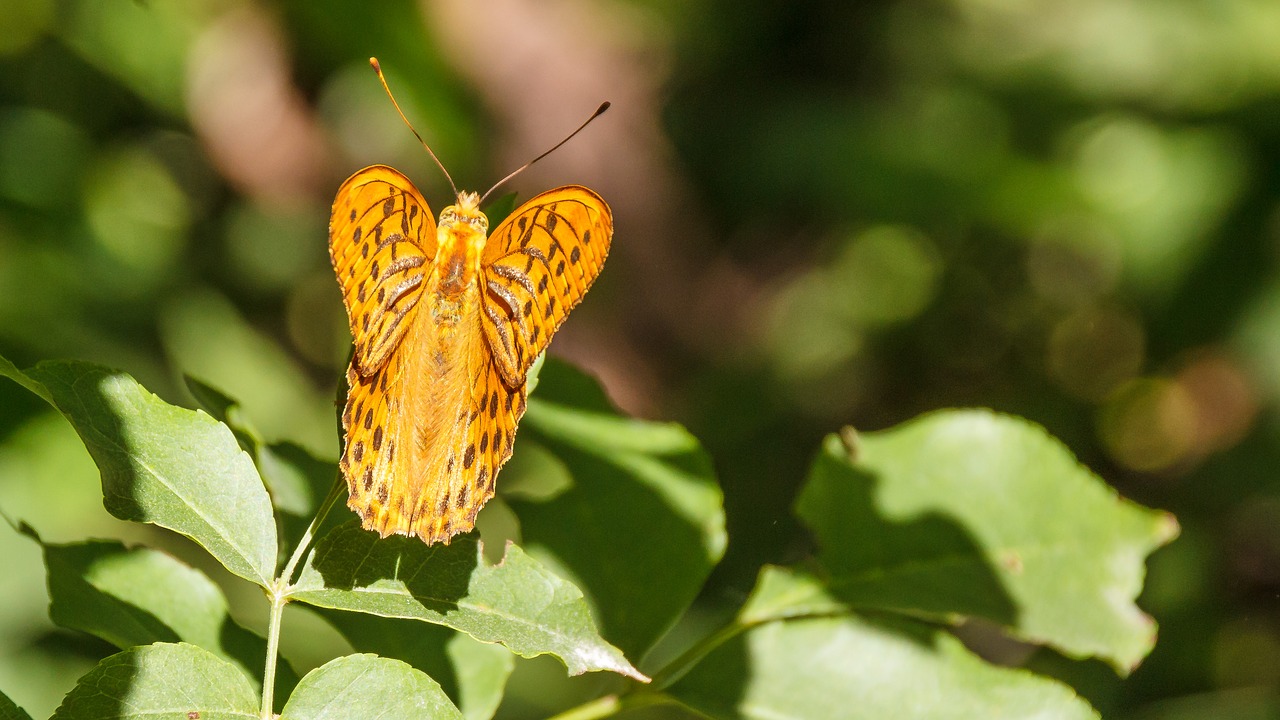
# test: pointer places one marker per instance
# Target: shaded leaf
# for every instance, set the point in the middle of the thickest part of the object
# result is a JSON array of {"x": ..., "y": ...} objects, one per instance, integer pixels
[
  {"x": 516, "y": 602},
  {"x": 500, "y": 208},
  {"x": 640, "y": 521},
  {"x": 974, "y": 513},
  {"x": 161, "y": 682},
  {"x": 8, "y": 709},
  {"x": 367, "y": 686},
  {"x": 163, "y": 464},
  {"x": 846, "y": 667},
  {"x": 140, "y": 596},
  {"x": 1246, "y": 703},
  {"x": 473, "y": 674}
]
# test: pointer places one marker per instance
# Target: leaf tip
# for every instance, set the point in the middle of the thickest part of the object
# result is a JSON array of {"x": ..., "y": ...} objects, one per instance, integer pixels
[
  {"x": 851, "y": 441},
  {"x": 1167, "y": 528}
]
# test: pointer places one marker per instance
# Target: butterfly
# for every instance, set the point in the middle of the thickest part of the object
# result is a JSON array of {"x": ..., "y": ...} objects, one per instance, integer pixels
[{"x": 447, "y": 319}]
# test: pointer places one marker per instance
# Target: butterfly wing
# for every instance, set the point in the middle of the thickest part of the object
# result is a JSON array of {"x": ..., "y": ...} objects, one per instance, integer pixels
[
  {"x": 382, "y": 241},
  {"x": 536, "y": 267},
  {"x": 462, "y": 476}
]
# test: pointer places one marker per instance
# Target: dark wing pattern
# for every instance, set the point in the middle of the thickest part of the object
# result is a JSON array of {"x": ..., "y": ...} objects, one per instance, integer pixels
[
  {"x": 382, "y": 241},
  {"x": 537, "y": 265}
]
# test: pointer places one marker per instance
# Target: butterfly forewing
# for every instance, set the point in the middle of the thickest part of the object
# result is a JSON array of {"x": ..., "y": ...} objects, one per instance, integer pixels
[
  {"x": 382, "y": 241},
  {"x": 536, "y": 267}
]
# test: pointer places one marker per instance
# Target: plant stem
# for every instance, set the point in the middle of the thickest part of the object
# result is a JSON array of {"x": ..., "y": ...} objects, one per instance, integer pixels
[
  {"x": 278, "y": 601},
  {"x": 286, "y": 576},
  {"x": 278, "y": 593},
  {"x": 676, "y": 669},
  {"x": 610, "y": 705}
]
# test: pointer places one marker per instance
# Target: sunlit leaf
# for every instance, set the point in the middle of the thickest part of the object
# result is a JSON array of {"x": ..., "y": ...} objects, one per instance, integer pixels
[
  {"x": 516, "y": 602},
  {"x": 163, "y": 464},
  {"x": 139, "y": 596},
  {"x": 161, "y": 682},
  {"x": 296, "y": 479},
  {"x": 846, "y": 667},
  {"x": 359, "y": 687},
  {"x": 970, "y": 513}
]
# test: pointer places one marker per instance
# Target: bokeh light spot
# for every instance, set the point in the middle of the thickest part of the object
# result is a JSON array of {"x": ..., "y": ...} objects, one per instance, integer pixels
[
  {"x": 42, "y": 156},
  {"x": 887, "y": 274},
  {"x": 1149, "y": 425},
  {"x": 1093, "y": 351},
  {"x": 137, "y": 212}
]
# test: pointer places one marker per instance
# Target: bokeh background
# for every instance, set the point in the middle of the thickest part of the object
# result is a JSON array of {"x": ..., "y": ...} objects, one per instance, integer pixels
[{"x": 827, "y": 213}]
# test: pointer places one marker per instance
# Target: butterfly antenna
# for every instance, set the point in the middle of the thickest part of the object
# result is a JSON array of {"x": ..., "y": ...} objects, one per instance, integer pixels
[
  {"x": 599, "y": 111},
  {"x": 378, "y": 69}
]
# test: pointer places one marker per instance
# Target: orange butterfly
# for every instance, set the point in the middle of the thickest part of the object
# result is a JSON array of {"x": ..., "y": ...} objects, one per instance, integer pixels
[{"x": 447, "y": 321}]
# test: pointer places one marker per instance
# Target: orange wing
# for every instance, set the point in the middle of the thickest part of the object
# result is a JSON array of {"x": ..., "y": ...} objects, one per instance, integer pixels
[
  {"x": 382, "y": 241},
  {"x": 536, "y": 267}
]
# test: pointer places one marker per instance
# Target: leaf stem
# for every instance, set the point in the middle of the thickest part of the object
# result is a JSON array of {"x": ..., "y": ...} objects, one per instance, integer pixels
[
  {"x": 608, "y": 705},
  {"x": 286, "y": 575},
  {"x": 676, "y": 669},
  {"x": 278, "y": 601}
]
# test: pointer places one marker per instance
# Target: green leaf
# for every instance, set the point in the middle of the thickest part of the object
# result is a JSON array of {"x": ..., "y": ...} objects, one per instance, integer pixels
[
  {"x": 847, "y": 667},
  {"x": 472, "y": 673},
  {"x": 640, "y": 524},
  {"x": 296, "y": 480},
  {"x": 970, "y": 513},
  {"x": 356, "y": 687},
  {"x": 499, "y": 209},
  {"x": 162, "y": 464},
  {"x": 516, "y": 602},
  {"x": 8, "y": 709},
  {"x": 9, "y": 370},
  {"x": 161, "y": 682},
  {"x": 139, "y": 596}
]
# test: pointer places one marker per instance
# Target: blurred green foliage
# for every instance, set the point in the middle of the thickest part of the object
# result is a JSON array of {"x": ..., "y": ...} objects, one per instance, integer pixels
[{"x": 1063, "y": 210}]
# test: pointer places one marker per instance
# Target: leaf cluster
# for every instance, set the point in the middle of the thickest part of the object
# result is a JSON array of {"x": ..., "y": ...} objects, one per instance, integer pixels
[{"x": 954, "y": 520}]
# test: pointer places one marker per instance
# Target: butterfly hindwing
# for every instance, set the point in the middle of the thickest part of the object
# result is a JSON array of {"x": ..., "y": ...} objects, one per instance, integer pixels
[
  {"x": 382, "y": 241},
  {"x": 466, "y": 479},
  {"x": 536, "y": 267}
]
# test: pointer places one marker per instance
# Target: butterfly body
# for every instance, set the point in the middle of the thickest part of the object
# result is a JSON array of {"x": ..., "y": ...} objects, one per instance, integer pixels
[{"x": 447, "y": 320}]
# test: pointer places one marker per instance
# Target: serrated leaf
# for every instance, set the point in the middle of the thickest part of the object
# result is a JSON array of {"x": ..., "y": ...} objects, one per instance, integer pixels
[
  {"x": 516, "y": 602},
  {"x": 971, "y": 513},
  {"x": 161, "y": 682},
  {"x": 359, "y": 687},
  {"x": 9, "y": 710},
  {"x": 296, "y": 480},
  {"x": 140, "y": 596},
  {"x": 640, "y": 523},
  {"x": 177, "y": 468},
  {"x": 473, "y": 674},
  {"x": 847, "y": 667}
]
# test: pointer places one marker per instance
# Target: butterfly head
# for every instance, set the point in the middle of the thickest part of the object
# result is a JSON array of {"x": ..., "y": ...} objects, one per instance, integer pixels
[
  {"x": 465, "y": 217},
  {"x": 460, "y": 237}
]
